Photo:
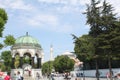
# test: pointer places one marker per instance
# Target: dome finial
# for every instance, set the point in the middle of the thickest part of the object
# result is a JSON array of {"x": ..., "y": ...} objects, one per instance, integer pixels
[{"x": 26, "y": 33}]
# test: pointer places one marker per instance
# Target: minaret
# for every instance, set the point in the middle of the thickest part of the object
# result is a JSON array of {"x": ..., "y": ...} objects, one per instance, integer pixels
[{"x": 51, "y": 53}]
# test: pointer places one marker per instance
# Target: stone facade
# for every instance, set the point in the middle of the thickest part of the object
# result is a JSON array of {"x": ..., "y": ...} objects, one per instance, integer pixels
[{"x": 27, "y": 47}]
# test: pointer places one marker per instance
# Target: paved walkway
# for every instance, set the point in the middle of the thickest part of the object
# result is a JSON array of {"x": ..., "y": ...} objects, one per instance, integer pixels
[
  {"x": 73, "y": 78},
  {"x": 61, "y": 78}
]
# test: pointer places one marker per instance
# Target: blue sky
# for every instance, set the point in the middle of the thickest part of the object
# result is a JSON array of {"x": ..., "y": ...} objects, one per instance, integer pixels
[{"x": 49, "y": 21}]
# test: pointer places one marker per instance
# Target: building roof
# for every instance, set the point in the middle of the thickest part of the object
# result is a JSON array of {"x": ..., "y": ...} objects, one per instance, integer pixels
[
  {"x": 69, "y": 54},
  {"x": 26, "y": 41}
]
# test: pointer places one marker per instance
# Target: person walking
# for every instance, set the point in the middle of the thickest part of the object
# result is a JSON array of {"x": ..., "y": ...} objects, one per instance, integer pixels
[
  {"x": 108, "y": 76},
  {"x": 117, "y": 76},
  {"x": 37, "y": 76},
  {"x": 19, "y": 77},
  {"x": 7, "y": 77}
]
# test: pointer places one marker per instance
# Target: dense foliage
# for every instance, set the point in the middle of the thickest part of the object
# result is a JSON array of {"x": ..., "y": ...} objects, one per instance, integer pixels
[
  {"x": 47, "y": 68},
  {"x": 84, "y": 46},
  {"x": 17, "y": 61},
  {"x": 3, "y": 20},
  {"x": 63, "y": 64},
  {"x": 9, "y": 40},
  {"x": 104, "y": 31},
  {"x": 6, "y": 56}
]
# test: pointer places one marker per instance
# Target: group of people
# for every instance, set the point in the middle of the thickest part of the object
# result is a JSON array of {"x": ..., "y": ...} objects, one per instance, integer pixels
[
  {"x": 18, "y": 76},
  {"x": 116, "y": 76}
]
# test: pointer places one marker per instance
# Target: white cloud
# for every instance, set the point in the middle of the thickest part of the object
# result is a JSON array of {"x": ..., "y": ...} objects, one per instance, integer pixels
[
  {"x": 67, "y": 28},
  {"x": 71, "y": 5},
  {"x": 48, "y": 22},
  {"x": 83, "y": 2},
  {"x": 49, "y": 1},
  {"x": 15, "y": 4},
  {"x": 115, "y": 4},
  {"x": 67, "y": 2},
  {"x": 42, "y": 19},
  {"x": 66, "y": 6}
]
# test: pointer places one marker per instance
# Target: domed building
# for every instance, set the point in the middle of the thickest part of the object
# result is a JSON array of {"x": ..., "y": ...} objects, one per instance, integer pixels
[
  {"x": 71, "y": 55},
  {"x": 27, "y": 55}
]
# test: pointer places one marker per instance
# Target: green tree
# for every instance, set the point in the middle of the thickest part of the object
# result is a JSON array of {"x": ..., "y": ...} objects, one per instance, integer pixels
[
  {"x": 47, "y": 68},
  {"x": 104, "y": 29},
  {"x": 63, "y": 64},
  {"x": 93, "y": 19},
  {"x": 109, "y": 45},
  {"x": 84, "y": 49},
  {"x": 101, "y": 20},
  {"x": 3, "y": 20},
  {"x": 6, "y": 56},
  {"x": 9, "y": 40},
  {"x": 108, "y": 36},
  {"x": 2, "y": 67},
  {"x": 1, "y": 46},
  {"x": 17, "y": 61}
]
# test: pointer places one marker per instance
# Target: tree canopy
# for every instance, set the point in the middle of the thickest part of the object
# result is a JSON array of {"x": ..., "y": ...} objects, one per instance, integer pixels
[
  {"x": 6, "y": 56},
  {"x": 104, "y": 31},
  {"x": 47, "y": 67},
  {"x": 84, "y": 48},
  {"x": 3, "y": 20},
  {"x": 63, "y": 64},
  {"x": 9, "y": 40}
]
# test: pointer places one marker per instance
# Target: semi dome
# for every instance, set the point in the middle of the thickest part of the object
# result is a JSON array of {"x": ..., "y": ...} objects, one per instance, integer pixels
[{"x": 26, "y": 41}]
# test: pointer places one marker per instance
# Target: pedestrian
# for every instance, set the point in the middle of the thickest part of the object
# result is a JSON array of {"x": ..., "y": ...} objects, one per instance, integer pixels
[
  {"x": 108, "y": 75},
  {"x": 7, "y": 77},
  {"x": 19, "y": 77},
  {"x": 29, "y": 72},
  {"x": 37, "y": 76},
  {"x": 75, "y": 78},
  {"x": 15, "y": 76},
  {"x": 52, "y": 76},
  {"x": 117, "y": 75}
]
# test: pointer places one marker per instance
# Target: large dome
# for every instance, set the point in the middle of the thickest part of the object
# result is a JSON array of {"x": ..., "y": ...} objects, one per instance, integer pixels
[{"x": 26, "y": 41}]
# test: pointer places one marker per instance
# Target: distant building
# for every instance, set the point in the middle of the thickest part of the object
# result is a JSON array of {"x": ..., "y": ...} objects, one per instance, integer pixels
[{"x": 71, "y": 55}]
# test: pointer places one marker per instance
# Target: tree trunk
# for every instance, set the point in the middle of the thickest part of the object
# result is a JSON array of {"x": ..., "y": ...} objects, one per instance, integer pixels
[
  {"x": 97, "y": 71},
  {"x": 110, "y": 68}
]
